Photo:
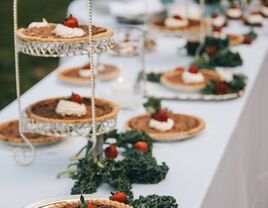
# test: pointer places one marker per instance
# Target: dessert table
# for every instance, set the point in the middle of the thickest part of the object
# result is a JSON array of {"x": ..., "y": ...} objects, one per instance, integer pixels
[{"x": 225, "y": 166}]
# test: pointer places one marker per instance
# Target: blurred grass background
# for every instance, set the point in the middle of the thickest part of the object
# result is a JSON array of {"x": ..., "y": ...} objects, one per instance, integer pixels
[{"x": 32, "y": 69}]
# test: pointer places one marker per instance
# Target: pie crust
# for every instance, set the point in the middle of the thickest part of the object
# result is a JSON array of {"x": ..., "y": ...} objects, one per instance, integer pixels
[
  {"x": 72, "y": 75},
  {"x": 39, "y": 111},
  {"x": 235, "y": 39},
  {"x": 21, "y": 34},
  {"x": 99, "y": 203},
  {"x": 9, "y": 132},
  {"x": 174, "y": 81},
  {"x": 185, "y": 126},
  {"x": 194, "y": 25}
]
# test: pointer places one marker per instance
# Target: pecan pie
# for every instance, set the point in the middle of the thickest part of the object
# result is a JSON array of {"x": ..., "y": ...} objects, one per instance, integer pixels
[
  {"x": 9, "y": 132},
  {"x": 45, "y": 111}
]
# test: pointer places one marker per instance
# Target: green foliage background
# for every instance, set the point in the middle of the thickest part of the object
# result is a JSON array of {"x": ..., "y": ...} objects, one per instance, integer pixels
[{"x": 32, "y": 68}]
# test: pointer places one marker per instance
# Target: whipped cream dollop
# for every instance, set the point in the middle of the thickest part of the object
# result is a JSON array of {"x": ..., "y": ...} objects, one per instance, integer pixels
[
  {"x": 44, "y": 23},
  {"x": 218, "y": 21},
  {"x": 70, "y": 108},
  {"x": 225, "y": 75},
  {"x": 176, "y": 22},
  {"x": 192, "y": 78},
  {"x": 161, "y": 126},
  {"x": 255, "y": 19},
  {"x": 219, "y": 35},
  {"x": 234, "y": 12},
  {"x": 68, "y": 32},
  {"x": 84, "y": 73},
  {"x": 264, "y": 10}
]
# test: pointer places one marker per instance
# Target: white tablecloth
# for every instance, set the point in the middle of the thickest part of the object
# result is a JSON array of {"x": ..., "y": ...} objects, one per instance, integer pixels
[{"x": 226, "y": 166}]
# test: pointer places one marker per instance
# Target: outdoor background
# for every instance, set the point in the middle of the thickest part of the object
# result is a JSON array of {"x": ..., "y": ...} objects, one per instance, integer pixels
[{"x": 32, "y": 68}]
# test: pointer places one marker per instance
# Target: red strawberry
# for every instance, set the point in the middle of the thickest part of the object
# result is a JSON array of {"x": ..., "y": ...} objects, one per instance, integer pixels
[
  {"x": 120, "y": 197},
  {"x": 161, "y": 116},
  {"x": 177, "y": 17},
  {"x": 211, "y": 51},
  {"x": 247, "y": 40},
  {"x": 218, "y": 29},
  {"x": 111, "y": 152},
  {"x": 179, "y": 69},
  {"x": 193, "y": 69},
  {"x": 89, "y": 205},
  {"x": 215, "y": 15},
  {"x": 87, "y": 66},
  {"x": 71, "y": 22},
  {"x": 141, "y": 146},
  {"x": 220, "y": 88},
  {"x": 76, "y": 98}
]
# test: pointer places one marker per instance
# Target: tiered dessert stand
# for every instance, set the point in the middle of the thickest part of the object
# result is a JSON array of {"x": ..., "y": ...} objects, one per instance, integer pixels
[{"x": 93, "y": 129}]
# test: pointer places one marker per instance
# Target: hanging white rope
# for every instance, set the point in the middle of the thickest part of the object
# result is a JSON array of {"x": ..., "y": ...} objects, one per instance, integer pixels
[{"x": 22, "y": 151}]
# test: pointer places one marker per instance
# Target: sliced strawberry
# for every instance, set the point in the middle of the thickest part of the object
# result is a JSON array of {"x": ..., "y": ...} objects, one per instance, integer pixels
[
  {"x": 179, "y": 69},
  {"x": 211, "y": 51},
  {"x": 89, "y": 205},
  {"x": 220, "y": 88},
  {"x": 76, "y": 98},
  {"x": 247, "y": 40},
  {"x": 71, "y": 22},
  {"x": 177, "y": 17},
  {"x": 87, "y": 66},
  {"x": 111, "y": 152},
  {"x": 119, "y": 197},
  {"x": 161, "y": 116},
  {"x": 141, "y": 146},
  {"x": 193, "y": 69}
]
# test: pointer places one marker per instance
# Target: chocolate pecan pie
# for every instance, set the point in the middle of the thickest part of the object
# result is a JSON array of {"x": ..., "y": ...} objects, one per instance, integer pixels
[
  {"x": 9, "y": 132},
  {"x": 46, "y": 34},
  {"x": 174, "y": 80},
  {"x": 185, "y": 126},
  {"x": 45, "y": 111},
  {"x": 93, "y": 203}
]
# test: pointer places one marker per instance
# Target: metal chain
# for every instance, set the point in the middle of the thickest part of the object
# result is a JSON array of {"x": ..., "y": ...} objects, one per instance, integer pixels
[
  {"x": 17, "y": 150},
  {"x": 92, "y": 77}
]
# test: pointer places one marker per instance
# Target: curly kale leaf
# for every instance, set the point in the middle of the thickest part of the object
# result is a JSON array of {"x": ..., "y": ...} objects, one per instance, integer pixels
[
  {"x": 153, "y": 105},
  {"x": 226, "y": 58},
  {"x": 209, "y": 90},
  {"x": 154, "y": 77},
  {"x": 155, "y": 201},
  {"x": 238, "y": 83}
]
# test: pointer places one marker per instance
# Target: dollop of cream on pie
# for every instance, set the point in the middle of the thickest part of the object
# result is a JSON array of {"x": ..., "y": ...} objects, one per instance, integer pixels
[
  {"x": 176, "y": 22},
  {"x": 218, "y": 21},
  {"x": 68, "y": 32},
  {"x": 192, "y": 78},
  {"x": 70, "y": 108},
  {"x": 264, "y": 10},
  {"x": 234, "y": 12},
  {"x": 44, "y": 23},
  {"x": 219, "y": 35},
  {"x": 161, "y": 126},
  {"x": 255, "y": 19},
  {"x": 84, "y": 73}
]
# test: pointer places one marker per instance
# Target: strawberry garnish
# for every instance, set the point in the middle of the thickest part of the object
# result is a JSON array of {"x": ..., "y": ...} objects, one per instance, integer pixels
[
  {"x": 177, "y": 17},
  {"x": 87, "y": 66},
  {"x": 211, "y": 51},
  {"x": 89, "y": 205},
  {"x": 111, "y": 152},
  {"x": 119, "y": 197},
  {"x": 218, "y": 29},
  {"x": 247, "y": 40},
  {"x": 141, "y": 147},
  {"x": 71, "y": 22},
  {"x": 220, "y": 88},
  {"x": 215, "y": 15},
  {"x": 161, "y": 116},
  {"x": 193, "y": 69},
  {"x": 179, "y": 69},
  {"x": 76, "y": 98}
]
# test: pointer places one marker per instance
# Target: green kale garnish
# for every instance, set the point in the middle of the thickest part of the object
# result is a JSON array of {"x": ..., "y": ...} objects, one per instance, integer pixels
[
  {"x": 226, "y": 58},
  {"x": 153, "y": 105},
  {"x": 154, "y": 77},
  {"x": 155, "y": 201},
  {"x": 238, "y": 83},
  {"x": 252, "y": 35}
]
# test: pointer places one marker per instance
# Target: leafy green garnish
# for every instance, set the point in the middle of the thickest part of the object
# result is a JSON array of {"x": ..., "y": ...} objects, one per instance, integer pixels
[
  {"x": 252, "y": 35},
  {"x": 238, "y": 83},
  {"x": 153, "y": 105},
  {"x": 155, "y": 201},
  {"x": 226, "y": 58},
  {"x": 83, "y": 202},
  {"x": 154, "y": 77}
]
